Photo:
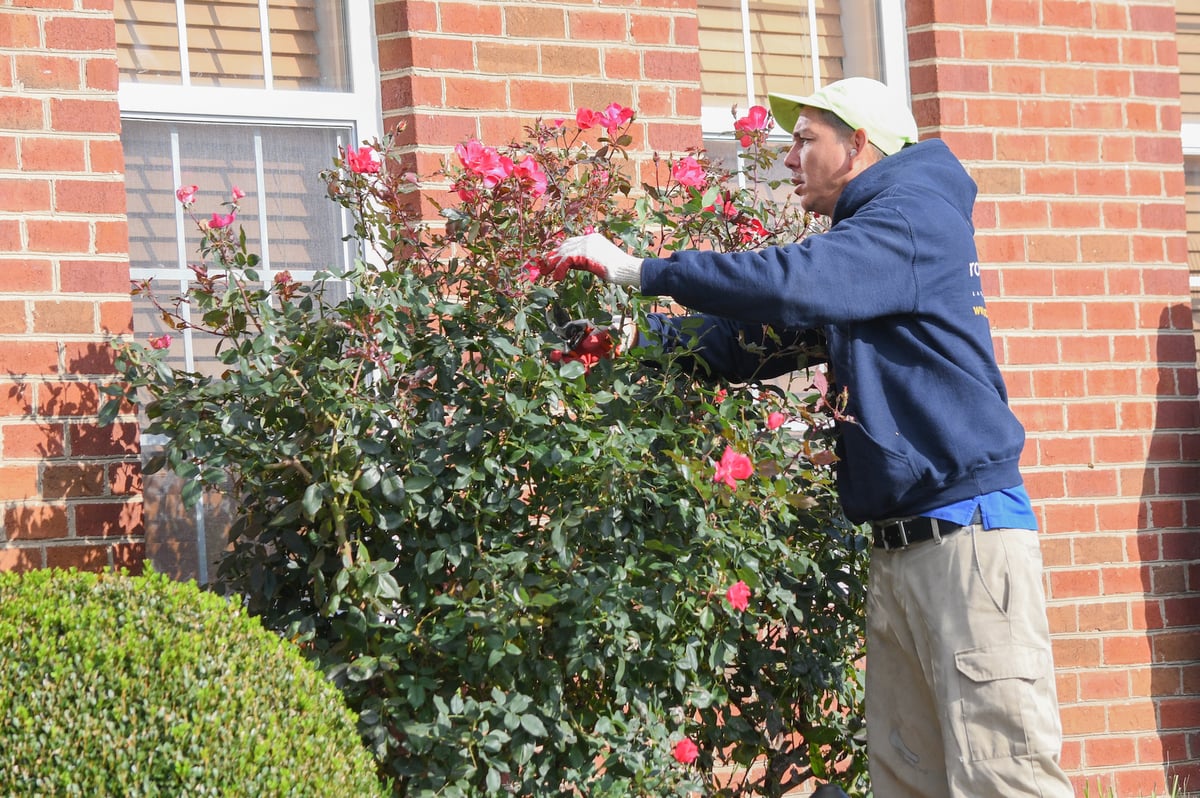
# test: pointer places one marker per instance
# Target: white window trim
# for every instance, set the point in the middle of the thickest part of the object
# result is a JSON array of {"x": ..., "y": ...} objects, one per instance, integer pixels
[
  {"x": 893, "y": 38},
  {"x": 1190, "y": 133},
  {"x": 360, "y": 110}
]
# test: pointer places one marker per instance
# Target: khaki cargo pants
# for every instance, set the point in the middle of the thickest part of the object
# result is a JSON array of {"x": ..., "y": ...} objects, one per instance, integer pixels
[{"x": 961, "y": 700}]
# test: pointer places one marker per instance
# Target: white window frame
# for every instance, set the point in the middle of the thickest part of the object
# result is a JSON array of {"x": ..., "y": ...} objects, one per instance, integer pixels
[
  {"x": 359, "y": 110},
  {"x": 1190, "y": 133},
  {"x": 893, "y": 39}
]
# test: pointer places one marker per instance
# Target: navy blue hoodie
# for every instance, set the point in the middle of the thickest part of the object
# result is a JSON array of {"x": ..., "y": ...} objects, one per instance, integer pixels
[{"x": 894, "y": 285}]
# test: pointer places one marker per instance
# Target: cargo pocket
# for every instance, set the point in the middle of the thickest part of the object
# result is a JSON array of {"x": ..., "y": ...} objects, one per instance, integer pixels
[{"x": 1008, "y": 705}]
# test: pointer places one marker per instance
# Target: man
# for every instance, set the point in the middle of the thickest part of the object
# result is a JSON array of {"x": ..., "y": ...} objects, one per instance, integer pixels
[{"x": 960, "y": 684}]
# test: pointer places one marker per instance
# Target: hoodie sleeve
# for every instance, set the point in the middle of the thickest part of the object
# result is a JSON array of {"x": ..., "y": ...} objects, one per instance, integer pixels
[
  {"x": 716, "y": 347},
  {"x": 863, "y": 268}
]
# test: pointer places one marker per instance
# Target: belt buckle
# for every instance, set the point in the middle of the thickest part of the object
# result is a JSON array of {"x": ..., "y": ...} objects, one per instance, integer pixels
[{"x": 903, "y": 534}]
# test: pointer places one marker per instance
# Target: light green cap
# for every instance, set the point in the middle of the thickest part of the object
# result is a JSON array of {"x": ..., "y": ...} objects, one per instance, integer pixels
[{"x": 860, "y": 103}]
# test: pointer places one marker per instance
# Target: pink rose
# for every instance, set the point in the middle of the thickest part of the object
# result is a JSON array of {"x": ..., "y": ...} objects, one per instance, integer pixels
[
  {"x": 751, "y": 230},
  {"x": 613, "y": 117},
  {"x": 485, "y": 162},
  {"x": 776, "y": 420},
  {"x": 361, "y": 160},
  {"x": 586, "y": 118},
  {"x": 733, "y": 466},
  {"x": 738, "y": 596},
  {"x": 530, "y": 173},
  {"x": 685, "y": 751},
  {"x": 220, "y": 220},
  {"x": 688, "y": 172},
  {"x": 186, "y": 194},
  {"x": 752, "y": 126},
  {"x": 162, "y": 342}
]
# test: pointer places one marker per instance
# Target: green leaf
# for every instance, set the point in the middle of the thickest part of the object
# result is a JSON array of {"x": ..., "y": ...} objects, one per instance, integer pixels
[
  {"x": 313, "y": 497},
  {"x": 533, "y": 725}
]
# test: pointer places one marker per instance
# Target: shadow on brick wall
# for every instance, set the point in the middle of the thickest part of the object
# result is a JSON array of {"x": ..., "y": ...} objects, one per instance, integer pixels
[{"x": 1168, "y": 547}]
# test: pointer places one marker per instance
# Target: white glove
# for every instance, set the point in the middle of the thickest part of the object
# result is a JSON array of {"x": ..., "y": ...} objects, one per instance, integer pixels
[{"x": 596, "y": 254}]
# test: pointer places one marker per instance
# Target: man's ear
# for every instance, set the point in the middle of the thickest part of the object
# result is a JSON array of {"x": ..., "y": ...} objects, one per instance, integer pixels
[{"x": 858, "y": 142}]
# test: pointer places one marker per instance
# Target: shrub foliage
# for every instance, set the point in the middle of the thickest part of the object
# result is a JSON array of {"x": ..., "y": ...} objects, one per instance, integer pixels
[
  {"x": 533, "y": 571},
  {"x": 129, "y": 687}
]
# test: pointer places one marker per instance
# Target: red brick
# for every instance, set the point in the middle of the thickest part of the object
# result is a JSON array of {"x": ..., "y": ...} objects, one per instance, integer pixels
[
  {"x": 116, "y": 318},
  {"x": 597, "y": 26},
  {"x": 621, "y": 64},
  {"x": 18, "y": 482},
  {"x": 649, "y": 29},
  {"x": 68, "y": 399},
  {"x": 33, "y": 441},
  {"x": 130, "y": 555},
  {"x": 53, "y": 154},
  {"x": 672, "y": 65},
  {"x": 35, "y": 522},
  {"x": 19, "y": 31},
  {"x": 476, "y": 93},
  {"x": 408, "y": 15},
  {"x": 13, "y": 316},
  {"x": 29, "y": 357},
  {"x": 112, "y": 238},
  {"x": 88, "y": 440},
  {"x": 125, "y": 479},
  {"x": 21, "y": 113},
  {"x": 19, "y": 560},
  {"x": 48, "y": 72},
  {"x": 536, "y": 22},
  {"x": 101, "y": 73},
  {"x": 473, "y": 19},
  {"x": 84, "y": 558},
  {"x": 94, "y": 277},
  {"x": 75, "y": 34},
  {"x": 570, "y": 60},
  {"x": 55, "y": 316},
  {"x": 85, "y": 115},
  {"x": 88, "y": 358},
  {"x": 73, "y": 480},
  {"x": 506, "y": 59},
  {"x": 25, "y": 195},
  {"x": 106, "y": 157},
  {"x": 1108, "y": 751},
  {"x": 58, "y": 235},
  {"x": 1076, "y": 652},
  {"x": 540, "y": 95},
  {"x": 105, "y": 197},
  {"x": 109, "y": 519},
  {"x": 26, "y": 276}
]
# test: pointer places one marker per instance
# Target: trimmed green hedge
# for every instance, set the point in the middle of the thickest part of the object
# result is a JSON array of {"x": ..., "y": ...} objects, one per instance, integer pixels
[{"x": 112, "y": 685}]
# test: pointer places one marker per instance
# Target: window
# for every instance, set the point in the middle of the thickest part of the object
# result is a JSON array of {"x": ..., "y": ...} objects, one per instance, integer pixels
[
  {"x": 256, "y": 94},
  {"x": 1187, "y": 37},
  {"x": 751, "y": 47}
]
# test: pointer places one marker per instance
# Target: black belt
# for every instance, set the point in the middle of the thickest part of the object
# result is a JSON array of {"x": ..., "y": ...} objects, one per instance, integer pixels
[{"x": 902, "y": 534}]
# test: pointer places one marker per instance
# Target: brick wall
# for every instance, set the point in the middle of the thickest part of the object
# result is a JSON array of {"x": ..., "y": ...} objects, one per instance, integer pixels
[
  {"x": 451, "y": 71},
  {"x": 69, "y": 489},
  {"x": 1067, "y": 114}
]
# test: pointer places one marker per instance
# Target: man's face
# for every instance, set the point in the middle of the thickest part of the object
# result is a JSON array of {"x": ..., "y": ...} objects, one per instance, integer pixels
[{"x": 820, "y": 163}]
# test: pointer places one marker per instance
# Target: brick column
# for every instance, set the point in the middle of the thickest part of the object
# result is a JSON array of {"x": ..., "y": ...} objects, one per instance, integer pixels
[
  {"x": 70, "y": 490},
  {"x": 452, "y": 71},
  {"x": 1067, "y": 115}
]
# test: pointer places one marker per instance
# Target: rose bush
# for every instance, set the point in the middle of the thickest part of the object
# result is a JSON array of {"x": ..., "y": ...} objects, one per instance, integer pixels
[{"x": 535, "y": 565}]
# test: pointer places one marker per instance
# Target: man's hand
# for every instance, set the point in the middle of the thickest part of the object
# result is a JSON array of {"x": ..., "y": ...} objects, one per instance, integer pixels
[{"x": 596, "y": 254}]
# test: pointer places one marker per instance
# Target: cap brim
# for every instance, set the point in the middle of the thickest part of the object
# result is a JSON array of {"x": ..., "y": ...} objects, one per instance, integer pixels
[{"x": 786, "y": 109}]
